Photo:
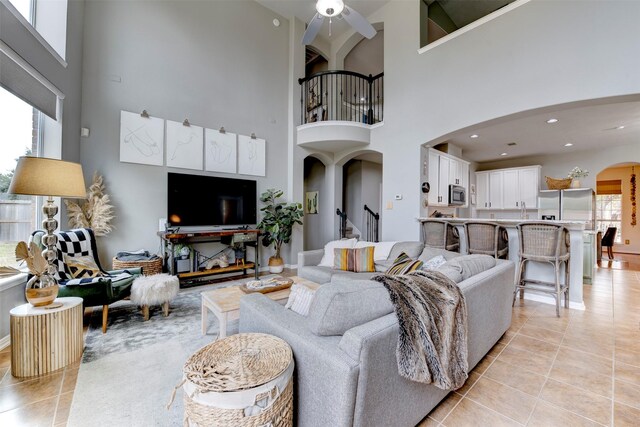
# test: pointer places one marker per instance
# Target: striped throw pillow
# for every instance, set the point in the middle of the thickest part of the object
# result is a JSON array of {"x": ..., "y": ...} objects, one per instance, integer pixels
[
  {"x": 403, "y": 265},
  {"x": 359, "y": 260},
  {"x": 300, "y": 299}
]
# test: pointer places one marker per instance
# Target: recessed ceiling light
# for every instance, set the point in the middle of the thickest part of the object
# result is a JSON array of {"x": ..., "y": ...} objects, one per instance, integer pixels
[
  {"x": 474, "y": 136},
  {"x": 552, "y": 121},
  {"x": 503, "y": 154},
  {"x": 568, "y": 144},
  {"x": 620, "y": 127}
]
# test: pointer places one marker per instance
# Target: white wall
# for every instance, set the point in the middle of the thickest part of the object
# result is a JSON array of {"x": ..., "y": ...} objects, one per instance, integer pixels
[
  {"x": 542, "y": 53},
  {"x": 215, "y": 63},
  {"x": 367, "y": 57}
]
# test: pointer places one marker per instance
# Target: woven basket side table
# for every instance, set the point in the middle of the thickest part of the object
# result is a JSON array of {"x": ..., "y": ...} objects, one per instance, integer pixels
[
  {"x": 44, "y": 340},
  {"x": 243, "y": 380}
]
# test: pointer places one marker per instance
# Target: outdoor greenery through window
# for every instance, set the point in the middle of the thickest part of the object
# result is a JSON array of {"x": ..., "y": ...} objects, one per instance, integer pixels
[
  {"x": 19, "y": 124},
  {"x": 609, "y": 213}
]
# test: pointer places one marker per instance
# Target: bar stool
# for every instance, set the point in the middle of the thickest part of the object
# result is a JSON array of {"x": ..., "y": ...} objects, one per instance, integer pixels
[
  {"x": 487, "y": 238},
  {"x": 438, "y": 233},
  {"x": 545, "y": 243}
]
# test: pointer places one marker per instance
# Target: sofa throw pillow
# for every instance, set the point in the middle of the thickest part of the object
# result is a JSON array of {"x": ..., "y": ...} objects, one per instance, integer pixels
[
  {"x": 359, "y": 260},
  {"x": 82, "y": 267},
  {"x": 300, "y": 299},
  {"x": 470, "y": 265},
  {"x": 403, "y": 265},
  {"x": 327, "y": 258},
  {"x": 434, "y": 263}
]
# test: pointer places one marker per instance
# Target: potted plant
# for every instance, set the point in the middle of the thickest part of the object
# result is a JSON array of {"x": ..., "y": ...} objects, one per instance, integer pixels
[
  {"x": 277, "y": 224},
  {"x": 575, "y": 174}
]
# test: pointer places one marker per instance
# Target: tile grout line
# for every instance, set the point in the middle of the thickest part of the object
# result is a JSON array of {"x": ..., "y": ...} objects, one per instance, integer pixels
[
  {"x": 613, "y": 373},
  {"x": 55, "y": 411}
]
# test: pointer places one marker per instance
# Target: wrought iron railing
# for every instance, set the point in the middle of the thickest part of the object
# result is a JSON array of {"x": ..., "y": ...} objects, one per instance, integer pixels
[
  {"x": 342, "y": 95},
  {"x": 372, "y": 220},
  {"x": 342, "y": 227}
]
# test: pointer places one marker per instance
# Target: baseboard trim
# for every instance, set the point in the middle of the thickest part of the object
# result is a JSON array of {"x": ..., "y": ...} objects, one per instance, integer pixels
[
  {"x": 5, "y": 342},
  {"x": 551, "y": 300}
]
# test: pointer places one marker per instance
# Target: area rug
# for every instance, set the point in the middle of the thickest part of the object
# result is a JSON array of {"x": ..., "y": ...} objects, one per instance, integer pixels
[{"x": 127, "y": 375}]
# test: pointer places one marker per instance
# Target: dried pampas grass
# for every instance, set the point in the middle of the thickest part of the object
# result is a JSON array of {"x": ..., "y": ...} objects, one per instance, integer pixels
[{"x": 96, "y": 213}]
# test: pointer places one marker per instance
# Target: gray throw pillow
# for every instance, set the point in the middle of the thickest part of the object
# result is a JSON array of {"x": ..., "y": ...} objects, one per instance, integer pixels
[
  {"x": 470, "y": 265},
  {"x": 346, "y": 303}
]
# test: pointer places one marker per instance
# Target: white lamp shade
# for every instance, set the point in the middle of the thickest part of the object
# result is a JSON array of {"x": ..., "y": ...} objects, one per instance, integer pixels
[{"x": 39, "y": 176}]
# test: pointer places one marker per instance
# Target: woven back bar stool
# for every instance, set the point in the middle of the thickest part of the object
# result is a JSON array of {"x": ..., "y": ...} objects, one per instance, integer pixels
[
  {"x": 486, "y": 238},
  {"x": 438, "y": 233},
  {"x": 544, "y": 243}
]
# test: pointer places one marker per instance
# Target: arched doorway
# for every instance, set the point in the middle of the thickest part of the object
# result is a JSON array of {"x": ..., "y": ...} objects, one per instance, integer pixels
[
  {"x": 315, "y": 202},
  {"x": 362, "y": 194},
  {"x": 616, "y": 206}
]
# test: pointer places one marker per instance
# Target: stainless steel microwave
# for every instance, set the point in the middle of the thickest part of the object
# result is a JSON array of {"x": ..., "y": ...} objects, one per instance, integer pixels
[{"x": 457, "y": 195}]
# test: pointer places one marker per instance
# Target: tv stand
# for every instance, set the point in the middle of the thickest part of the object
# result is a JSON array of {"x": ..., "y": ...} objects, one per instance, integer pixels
[{"x": 244, "y": 237}]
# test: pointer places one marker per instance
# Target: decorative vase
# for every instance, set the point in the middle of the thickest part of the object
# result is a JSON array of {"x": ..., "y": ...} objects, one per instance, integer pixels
[
  {"x": 276, "y": 265},
  {"x": 41, "y": 290},
  {"x": 575, "y": 183}
]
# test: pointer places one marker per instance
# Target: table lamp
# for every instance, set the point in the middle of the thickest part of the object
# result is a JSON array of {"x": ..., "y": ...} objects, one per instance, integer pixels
[{"x": 39, "y": 176}]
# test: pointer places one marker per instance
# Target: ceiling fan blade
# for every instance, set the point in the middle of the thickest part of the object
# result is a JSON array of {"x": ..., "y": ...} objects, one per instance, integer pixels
[
  {"x": 312, "y": 29},
  {"x": 358, "y": 22}
]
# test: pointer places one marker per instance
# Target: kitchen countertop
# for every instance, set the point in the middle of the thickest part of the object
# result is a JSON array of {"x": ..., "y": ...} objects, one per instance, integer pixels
[{"x": 511, "y": 223}]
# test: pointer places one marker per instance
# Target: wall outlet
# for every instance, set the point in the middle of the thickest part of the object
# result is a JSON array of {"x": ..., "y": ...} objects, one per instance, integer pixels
[
  {"x": 627, "y": 241},
  {"x": 398, "y": 196}
]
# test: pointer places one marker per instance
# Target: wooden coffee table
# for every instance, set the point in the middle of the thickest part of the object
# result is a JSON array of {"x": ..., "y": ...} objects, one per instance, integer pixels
[{"x": 224, "y": 303}]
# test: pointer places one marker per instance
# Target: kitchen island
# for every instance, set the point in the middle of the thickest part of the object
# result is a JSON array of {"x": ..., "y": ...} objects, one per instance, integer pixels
[{"x": 538, "y": 270}]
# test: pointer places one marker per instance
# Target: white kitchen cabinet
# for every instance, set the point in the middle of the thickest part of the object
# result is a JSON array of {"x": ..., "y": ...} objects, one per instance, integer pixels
[
  {"x": 434, "y": 177},
  {"x": 443, "y": 182},
  {"x": 508, "y": 188},
  {"x": 445, "y": 170},
  {"x": 529, "y": 181},
  {"x": 496, "y": 185},
  {"x": 482, "y": 190}
]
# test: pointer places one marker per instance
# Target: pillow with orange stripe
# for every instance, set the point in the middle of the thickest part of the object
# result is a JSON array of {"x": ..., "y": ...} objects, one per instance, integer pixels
[
  {"x": 359, "y": 260},
  {"x": 403, "y": 265}
]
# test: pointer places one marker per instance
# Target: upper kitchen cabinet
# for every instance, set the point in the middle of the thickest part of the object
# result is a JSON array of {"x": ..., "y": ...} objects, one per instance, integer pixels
[
  {"x": 513, "y": 188},
  {"x": 445, "y": 170}
]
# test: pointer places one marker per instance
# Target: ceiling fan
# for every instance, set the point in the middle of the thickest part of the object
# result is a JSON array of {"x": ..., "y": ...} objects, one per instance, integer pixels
[{"x": 330, "y": 9}]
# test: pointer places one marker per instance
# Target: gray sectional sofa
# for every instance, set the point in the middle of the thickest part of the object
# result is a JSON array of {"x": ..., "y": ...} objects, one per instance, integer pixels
[{"x": 345, "y": 349}]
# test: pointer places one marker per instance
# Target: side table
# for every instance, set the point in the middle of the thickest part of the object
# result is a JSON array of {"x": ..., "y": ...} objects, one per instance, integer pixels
[{"x": 44, "y": 340}]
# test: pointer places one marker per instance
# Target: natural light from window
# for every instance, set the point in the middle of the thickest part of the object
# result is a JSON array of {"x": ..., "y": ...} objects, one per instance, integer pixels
[
  {"x": 17, "y": 138},
  {"x": 609, "y": 213},
  {"x": 24, "y": 7}
]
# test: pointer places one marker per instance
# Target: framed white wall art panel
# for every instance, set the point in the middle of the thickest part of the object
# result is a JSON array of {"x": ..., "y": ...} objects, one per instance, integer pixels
[
  {"x": 141, "y": 139},
  {"x": 184, "y": 146},
  {"x": 220, "y": 151},
  {"x": 251, "y": 156}
]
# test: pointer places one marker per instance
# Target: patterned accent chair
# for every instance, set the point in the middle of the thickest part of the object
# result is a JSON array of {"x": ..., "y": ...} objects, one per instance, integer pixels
[{"x": 102, "y": 290}]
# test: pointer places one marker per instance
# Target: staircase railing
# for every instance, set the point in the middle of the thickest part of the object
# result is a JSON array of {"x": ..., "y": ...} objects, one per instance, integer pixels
[
  {"x": 372, "y": 220},
  {"x": 342, "y": 95},
  {"x": 342, "y": 228}
]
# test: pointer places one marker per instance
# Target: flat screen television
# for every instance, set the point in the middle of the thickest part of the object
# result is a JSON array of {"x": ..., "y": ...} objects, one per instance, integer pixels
[{"x": 199, "y": 200}]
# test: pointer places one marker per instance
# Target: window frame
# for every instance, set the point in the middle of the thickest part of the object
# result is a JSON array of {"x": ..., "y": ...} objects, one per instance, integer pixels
[{"x": 600, "y": 219}]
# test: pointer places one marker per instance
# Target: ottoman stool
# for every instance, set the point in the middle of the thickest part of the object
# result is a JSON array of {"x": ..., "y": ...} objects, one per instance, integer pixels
[{"x": 158, "y": 289}]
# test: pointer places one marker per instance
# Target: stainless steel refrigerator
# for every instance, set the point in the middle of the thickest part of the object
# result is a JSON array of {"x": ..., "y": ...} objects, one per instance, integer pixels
[{"x": 577, "y": 204}]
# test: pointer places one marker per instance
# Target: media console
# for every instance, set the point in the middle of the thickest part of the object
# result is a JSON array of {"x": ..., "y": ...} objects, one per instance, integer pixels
[{"x": 242, "y": 237}]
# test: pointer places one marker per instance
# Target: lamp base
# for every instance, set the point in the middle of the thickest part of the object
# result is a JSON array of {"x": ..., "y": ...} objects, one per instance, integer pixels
[{"x": 41, "y": 290}]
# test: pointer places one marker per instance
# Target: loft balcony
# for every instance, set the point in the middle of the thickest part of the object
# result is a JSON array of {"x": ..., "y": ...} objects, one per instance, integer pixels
[{"x": 338, "y": 109}]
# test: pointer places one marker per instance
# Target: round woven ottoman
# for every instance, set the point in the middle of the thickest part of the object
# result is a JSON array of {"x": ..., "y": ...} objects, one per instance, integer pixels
[
  {"x": 158, "y": 289},
  {"x": 241, "y": 380}
]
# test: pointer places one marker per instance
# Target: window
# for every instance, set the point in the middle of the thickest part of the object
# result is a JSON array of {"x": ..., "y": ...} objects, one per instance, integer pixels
[
  {"x": 25, "y": 7},
  {"x": 609, "y": 213},
  {"x": 19, "y": 135}
]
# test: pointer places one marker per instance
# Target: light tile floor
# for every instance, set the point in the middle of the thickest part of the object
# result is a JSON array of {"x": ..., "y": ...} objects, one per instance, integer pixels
[{"x": 582, "y": 369}]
